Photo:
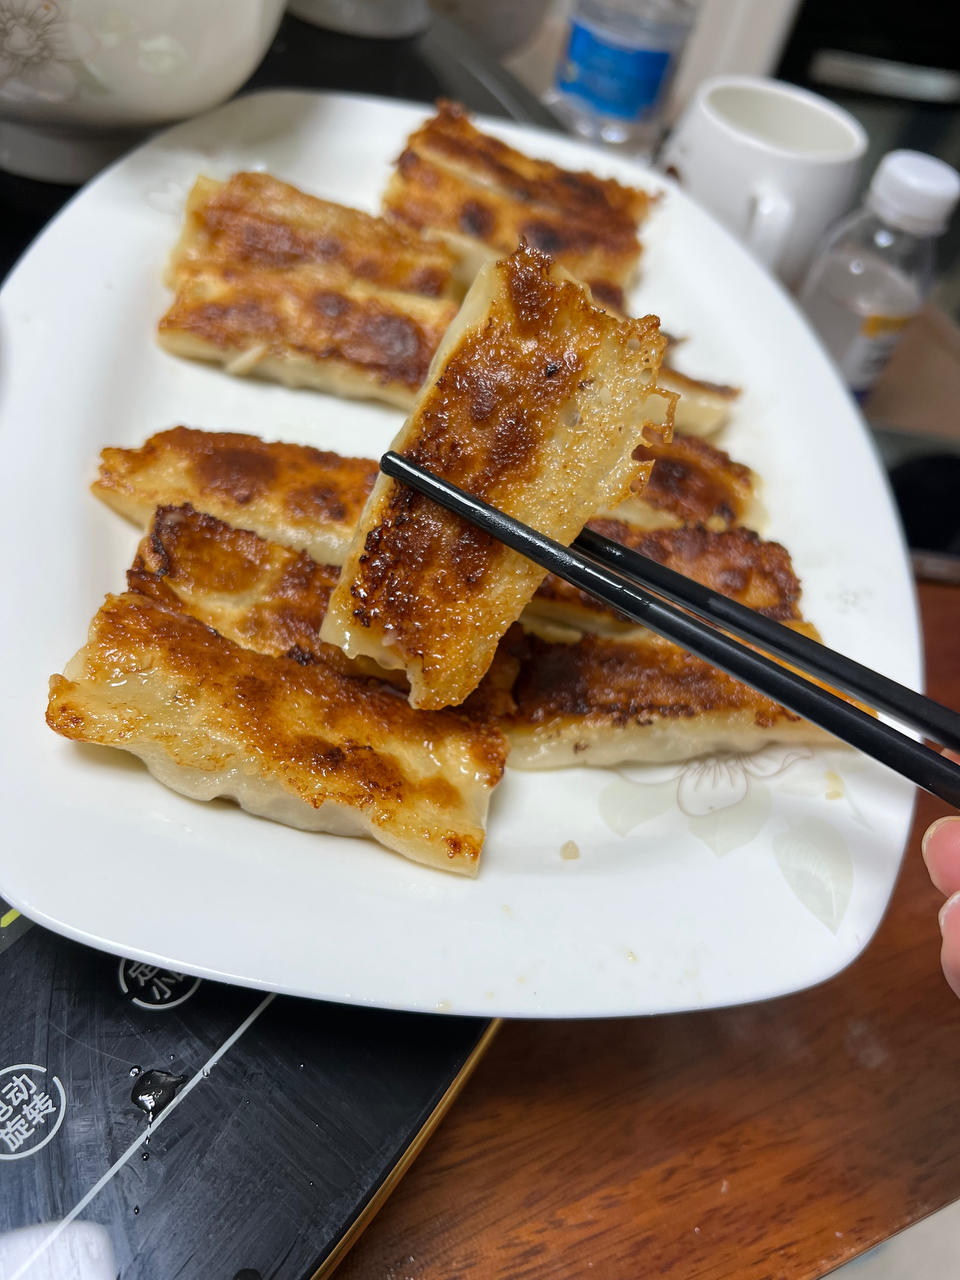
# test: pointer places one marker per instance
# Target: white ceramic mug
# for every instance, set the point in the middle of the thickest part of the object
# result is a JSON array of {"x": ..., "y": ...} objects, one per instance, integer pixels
[{"x": 774, "y": 163}]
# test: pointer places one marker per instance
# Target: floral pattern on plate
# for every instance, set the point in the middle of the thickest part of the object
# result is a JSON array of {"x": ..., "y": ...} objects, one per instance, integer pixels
[{"x": 727, "y": 802}]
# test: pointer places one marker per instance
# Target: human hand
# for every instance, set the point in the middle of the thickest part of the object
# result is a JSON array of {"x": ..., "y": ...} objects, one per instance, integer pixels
[{"x": 941, "y": 853}]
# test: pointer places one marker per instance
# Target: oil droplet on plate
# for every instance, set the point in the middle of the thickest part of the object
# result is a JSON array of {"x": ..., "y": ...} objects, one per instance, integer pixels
[
  {"x": 134, "y": 1071},
  {"x": 835, "y": 787},
  {"x": 569, "y": 850}
]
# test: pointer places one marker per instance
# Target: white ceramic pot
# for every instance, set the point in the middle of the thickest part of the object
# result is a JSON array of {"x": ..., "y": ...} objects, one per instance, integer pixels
[{"x": 80, "y": 78}]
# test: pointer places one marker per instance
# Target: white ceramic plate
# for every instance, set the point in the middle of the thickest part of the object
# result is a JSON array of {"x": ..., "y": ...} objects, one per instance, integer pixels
[{"x": 715, "y": 883}]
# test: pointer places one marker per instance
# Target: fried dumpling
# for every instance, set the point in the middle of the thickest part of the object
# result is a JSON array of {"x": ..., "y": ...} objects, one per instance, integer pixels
[
  {"x": 535, "y": 403},
  {"x": 736, "y": 562},
  {"x": 302, "y": 497},
  {"x": 482, "y": 197},
  {"x": 692, "y": 482},
  {"x": 307, "y": 327},
  {"x": 271, "y": 281},
  {"x": 256, "y": 593},
  {"x": 298, "y": 742},
  {"x": 636, "y": 698},
  {"x": 266, "y": 597},
  {"x": 255, "y": 221}
]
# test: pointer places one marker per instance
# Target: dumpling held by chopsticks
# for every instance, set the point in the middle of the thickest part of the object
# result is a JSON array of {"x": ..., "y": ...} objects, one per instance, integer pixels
[{"x": 535, "y": 402}]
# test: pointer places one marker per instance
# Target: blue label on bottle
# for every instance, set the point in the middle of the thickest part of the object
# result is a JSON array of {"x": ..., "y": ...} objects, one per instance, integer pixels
[{"x": 620, "y": 82}]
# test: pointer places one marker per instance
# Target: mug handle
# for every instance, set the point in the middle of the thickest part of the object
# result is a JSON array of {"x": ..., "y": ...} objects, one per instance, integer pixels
[{"x": 769, "y": 226}]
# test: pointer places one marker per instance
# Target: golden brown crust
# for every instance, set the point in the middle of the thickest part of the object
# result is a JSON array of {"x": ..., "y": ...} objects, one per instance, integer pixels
[
  {"x": 692, "y": 482},
  {"x": 307, "y": 327},
  {"x": 736, "y": 562},
  {"x": 273, "y": 282},
  {"x": 481, "y": 222},
  {"x": 256, "y": 593},
  {"x": 302, "y": 497},
  {"x": 535, "y": 405},
  {"x": 471, "y": 189},
  {"x": 267, "y": 597},
  {"x": 300, "y": 742},
  {"x": 604, "y": 700},
  {"x": 624, "y": 680},
  {"x": 451, "y": 135},
  {"x": 255, "y": 221}
]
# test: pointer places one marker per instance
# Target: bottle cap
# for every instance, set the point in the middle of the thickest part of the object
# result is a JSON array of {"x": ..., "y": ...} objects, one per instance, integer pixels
[{"x": 914, "y": 192}]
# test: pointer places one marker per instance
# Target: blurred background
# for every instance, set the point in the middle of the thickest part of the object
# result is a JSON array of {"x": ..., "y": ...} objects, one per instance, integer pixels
[{"x": 900, "y": 79}]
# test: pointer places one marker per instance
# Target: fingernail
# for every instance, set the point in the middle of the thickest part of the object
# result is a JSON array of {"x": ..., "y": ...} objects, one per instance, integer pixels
[
  {"x": 947, "y": 907},
  {"x": 940, "y": 822}
]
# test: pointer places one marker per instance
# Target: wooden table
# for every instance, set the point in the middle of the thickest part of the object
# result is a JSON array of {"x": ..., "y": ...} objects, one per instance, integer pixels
[{"x": 770, "y": 1141}]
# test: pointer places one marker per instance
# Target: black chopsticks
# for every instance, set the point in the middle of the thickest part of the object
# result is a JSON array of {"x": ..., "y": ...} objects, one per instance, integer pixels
[
  {"x": 620, "y": 578},
  {"x": 903, "y": 704}
]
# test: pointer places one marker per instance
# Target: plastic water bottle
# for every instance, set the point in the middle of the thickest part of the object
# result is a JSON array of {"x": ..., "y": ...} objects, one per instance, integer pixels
[
  {"x": 611, "y": 83},
  {"x": 877, "y": 265}
]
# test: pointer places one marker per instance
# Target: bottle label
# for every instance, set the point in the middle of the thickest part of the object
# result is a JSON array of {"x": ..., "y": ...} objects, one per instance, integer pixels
[
  {"x": 617, "y": 81},
  {"x": 867, "y": 355}
]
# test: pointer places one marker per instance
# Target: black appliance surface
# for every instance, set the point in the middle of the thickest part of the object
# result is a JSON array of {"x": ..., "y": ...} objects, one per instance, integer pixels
[{"x": 211, "y": 1130}]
